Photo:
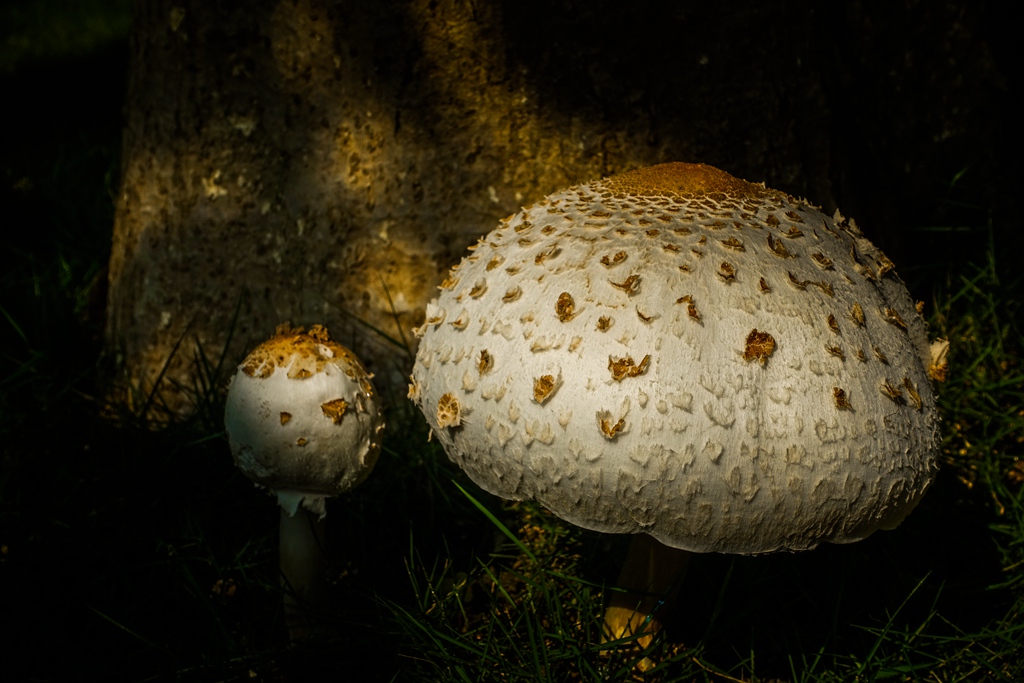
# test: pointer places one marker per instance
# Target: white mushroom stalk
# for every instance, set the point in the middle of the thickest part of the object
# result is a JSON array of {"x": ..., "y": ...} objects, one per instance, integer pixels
[
  {"x": 303, "y": 421},
  {"x": 679, "y": 353}
]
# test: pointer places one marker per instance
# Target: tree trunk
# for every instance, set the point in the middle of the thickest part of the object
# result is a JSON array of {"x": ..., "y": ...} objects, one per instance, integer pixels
[{"x": 319, "y": 162}]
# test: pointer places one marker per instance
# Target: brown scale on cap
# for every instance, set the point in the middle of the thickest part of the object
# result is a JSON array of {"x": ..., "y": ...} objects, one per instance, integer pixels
[
  {"x": 478, "y": 290},
  {"x": 625, "y": 367},
  {"x": 833, "y": 324},
  {"x": 778, "y": 248},
  {"x": 603, "y": 323},
  {"x": 885, "y": 266},
  {"x": 822, "y": 261},
  {"x": 836, "y": 351},
  {"x": 825, "y": 287},
  {"x": 334, "y": 410},
  {"x": 763, "y": 286},
  {"x": 861, "y": 267},
  {"x": 727, "y": 272},
  {"x": 857, "y": 314},
  {"x": 631, "y": 285},
  {"x": 892, "y": 392},
  {"x": 915, "y": 397},
  {"x": 285, "y": 418},
  {"x": 565, "y": 307},
  {"x": 734, "y": 244},
  {"x": 892, "y": 316},
  {"x": 448, "y": 411},
  {"x": 793, "y": 232},
  {"x": 461, "y": 322},
  {"x": 938, "y": 365},
  {"x": 842, "y": 402},
  {"x": 759, "y": 346},
  {"x": 691, "y": 308},
  {"x": 610, "y": 429},
  {"x": 543, "y": 388},
  {"x": 485, "y": 363},
  {"x": 415, "y": 392},
  {"x": 549, "y": 253}
]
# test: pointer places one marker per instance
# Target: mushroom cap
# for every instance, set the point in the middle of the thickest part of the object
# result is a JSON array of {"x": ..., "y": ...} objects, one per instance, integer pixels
[
  {"x": 303, "y": 419},
  {"x": 678, "y": 352}
]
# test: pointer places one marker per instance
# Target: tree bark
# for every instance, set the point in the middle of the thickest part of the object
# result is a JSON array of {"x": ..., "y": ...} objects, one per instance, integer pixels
[{"x": 320, "y": 162}]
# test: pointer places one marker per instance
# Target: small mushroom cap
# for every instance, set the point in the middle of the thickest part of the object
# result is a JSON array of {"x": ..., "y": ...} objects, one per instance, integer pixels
[
  {"x": 678, "y": 352},
  {"x": 303, "y": 419}
]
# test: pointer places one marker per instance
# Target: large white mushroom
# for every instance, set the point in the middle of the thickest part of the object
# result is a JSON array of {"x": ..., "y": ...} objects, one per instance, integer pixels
[
  {"x": 679, "y": 354},
  {"x": 303, "y": 421}
]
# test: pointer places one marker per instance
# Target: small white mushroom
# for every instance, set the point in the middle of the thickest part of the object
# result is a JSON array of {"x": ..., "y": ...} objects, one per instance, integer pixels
[
  {"x": 692, "y": 448},
  {"x": 304, "y": 422}
]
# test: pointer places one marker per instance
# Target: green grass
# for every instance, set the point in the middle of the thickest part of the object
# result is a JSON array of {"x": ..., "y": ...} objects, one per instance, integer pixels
[{"x": 131, "y": 550}]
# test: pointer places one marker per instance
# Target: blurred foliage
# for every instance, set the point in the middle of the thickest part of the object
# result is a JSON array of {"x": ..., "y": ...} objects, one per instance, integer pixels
[{"x": 32, "y": 30}]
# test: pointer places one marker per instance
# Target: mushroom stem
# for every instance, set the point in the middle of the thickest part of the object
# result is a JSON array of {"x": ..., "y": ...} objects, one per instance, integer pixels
[
  {"x": 302, "y": 568},
  {"x": 648, "y": 585}
]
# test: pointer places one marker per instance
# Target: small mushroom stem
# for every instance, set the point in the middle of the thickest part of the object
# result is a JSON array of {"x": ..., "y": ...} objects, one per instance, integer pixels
[
  {"x": 301, "y": 539},
  {"x": 647, "y": 587}
]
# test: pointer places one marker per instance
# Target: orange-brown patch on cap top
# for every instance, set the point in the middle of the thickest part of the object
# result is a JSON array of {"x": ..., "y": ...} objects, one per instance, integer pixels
[
  {"x": 682, "y": 180},
  {"x": 302, "y": 353}
]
